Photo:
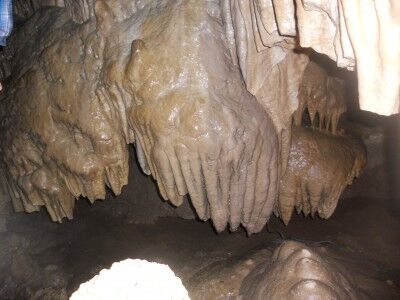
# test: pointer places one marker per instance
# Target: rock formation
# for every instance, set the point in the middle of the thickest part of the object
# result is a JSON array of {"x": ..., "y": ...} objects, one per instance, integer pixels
[
  {"x": 62, "y": 144},
  {"x": 133, "y": 279},
  {"x": 320, "y": 166},
  {"x": 24, "y": 9},
  {"x": 271, "y": 69},
  {"x": 323, "y": 97},
  {"x": 202, "y": 133},
  {"x": 205, "y": 90},
  {"x": 297, "y": 271},
  {"x": 196, "y": 128},
  {"x": 358, "y": 33}
]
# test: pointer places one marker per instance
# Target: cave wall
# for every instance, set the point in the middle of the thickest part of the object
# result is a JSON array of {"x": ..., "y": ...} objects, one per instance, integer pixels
[
  {"x": 5, "y": 206},
  {"x": 86, "y": 78}
]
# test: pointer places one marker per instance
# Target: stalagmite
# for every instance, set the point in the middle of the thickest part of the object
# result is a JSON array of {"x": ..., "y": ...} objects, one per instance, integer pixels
[{"x": 298, "y": 271}]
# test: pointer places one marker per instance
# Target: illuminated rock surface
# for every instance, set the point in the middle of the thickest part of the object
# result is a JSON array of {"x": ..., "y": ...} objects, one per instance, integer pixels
[
  {"x": 320, "y": 167},
  {"x": 300, "y": 272},
  {"x": 133, "y": 279}
]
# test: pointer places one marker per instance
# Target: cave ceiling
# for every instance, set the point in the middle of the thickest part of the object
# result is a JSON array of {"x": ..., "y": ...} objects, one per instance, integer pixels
[{"x": 206, "y": 91}]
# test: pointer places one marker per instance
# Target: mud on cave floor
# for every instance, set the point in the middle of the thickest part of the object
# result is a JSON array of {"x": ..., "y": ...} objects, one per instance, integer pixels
[{"x": 362, "y": 228}]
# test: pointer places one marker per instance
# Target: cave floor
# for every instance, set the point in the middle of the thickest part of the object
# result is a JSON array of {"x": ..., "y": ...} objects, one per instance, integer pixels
[{"x": 364, "y": 228}]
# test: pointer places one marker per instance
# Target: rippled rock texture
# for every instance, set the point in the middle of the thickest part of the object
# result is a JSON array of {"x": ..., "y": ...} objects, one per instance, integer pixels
[
  {"x": 297, "y": 271},
  {"x": 320, "y": 167},
  {"x": 133, "y": 279},
  {"x": 204, "y": 94},
  {"x": 88, "y": 90},
  {"x": 323, "y": 97},
  {"x": 358, "y": 33}
]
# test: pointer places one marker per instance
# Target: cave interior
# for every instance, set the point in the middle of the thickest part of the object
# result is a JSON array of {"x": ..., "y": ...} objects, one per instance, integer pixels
[{"x": 243, "y": 144}]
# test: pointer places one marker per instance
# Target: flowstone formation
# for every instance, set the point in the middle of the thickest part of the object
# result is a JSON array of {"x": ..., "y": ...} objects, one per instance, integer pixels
[
  {"x": 297, "y": 271},
  {"x": 358, "y": 33},
  {"x": 204, "y": 90},
  {"x": 320, "y": 167},
  {"x": 196, "y": 128},
  {"x": 322, "y": 97}
]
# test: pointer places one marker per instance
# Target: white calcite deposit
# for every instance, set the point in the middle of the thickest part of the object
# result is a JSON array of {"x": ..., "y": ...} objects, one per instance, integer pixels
[{"x": 133, "y": 279}]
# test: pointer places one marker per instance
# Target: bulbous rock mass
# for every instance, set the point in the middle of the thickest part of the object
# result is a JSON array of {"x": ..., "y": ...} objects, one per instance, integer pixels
[
  {"x": 81, "y": 99},
  {"x": 205, "y": 91},
  {"x": 298, "y": 271}
]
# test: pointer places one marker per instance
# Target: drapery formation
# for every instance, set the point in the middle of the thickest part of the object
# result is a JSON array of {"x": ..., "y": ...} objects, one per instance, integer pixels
[
  {"x": 205, "y": 90},
  {"x": 357, "y": 34}
]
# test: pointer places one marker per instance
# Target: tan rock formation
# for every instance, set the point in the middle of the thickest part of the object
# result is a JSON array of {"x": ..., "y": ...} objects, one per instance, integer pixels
[
  {"x": 80, "y": 99},
  {"x": 131, "y": 279},
  {"x": 336, "y": 103},
  {"x": 201, "y": 133},
  {"x": 358, "y": 33},
  {"x": 323, "y": 97},
  {"x": 23, "y": 9},
  {"x": 362, "y": 33},
  {"x": 320, "y": 166},
  {"x": 301, "y": 272},
  {"x": 206, "y": 91},
  {"x": 79, "y": 11},
  {"x": 272, "y": 74}
]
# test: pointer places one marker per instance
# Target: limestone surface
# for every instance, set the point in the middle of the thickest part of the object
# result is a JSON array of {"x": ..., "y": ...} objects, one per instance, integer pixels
[
  {"x": 320, "y": 167},
  {"x": 322, "y": 97},
  {"x": 81, "y": 97},
  {"x": 299, "y": 272},
  {"x": 204, "y": 90},
  {"x": 362, "y": 34},
  {"x": 133, "y": 279}
]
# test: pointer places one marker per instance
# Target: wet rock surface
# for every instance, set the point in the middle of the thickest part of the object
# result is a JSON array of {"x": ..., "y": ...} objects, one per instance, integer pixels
[
  {"x": 133, "y": 279},
  {"x": 362, "y": 236},
  {"x": 297, "y": 271},
  {"x": 185, "y": 82},
  {"x": 320, "y": 167},
  {"x": 90, "y": 88}
]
